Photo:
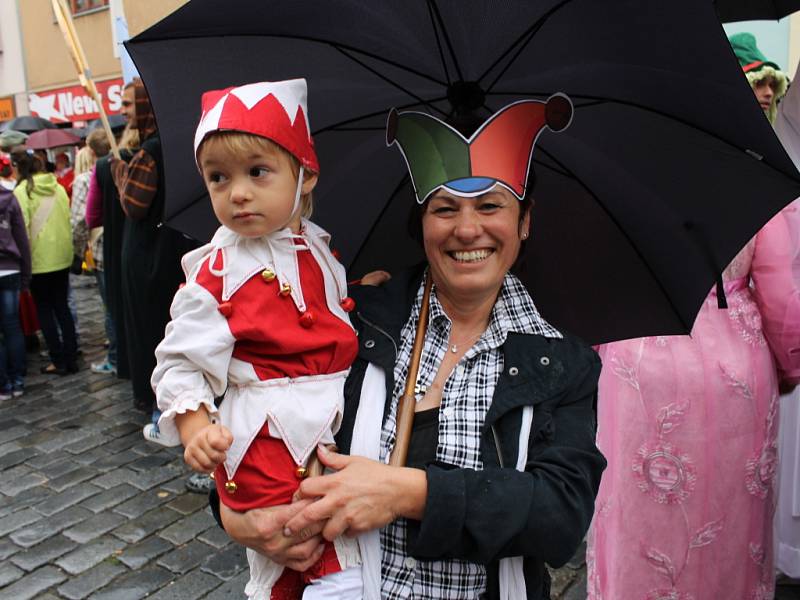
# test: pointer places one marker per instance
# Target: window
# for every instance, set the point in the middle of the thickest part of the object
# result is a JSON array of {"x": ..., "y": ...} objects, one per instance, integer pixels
[{"x": 82, "y": 6}]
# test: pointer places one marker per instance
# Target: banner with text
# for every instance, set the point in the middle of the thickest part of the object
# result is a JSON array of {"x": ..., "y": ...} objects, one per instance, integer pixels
[{"x": 73, "y": 103}]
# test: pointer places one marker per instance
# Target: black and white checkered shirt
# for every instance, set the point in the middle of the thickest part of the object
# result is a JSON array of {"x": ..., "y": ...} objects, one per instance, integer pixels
[{"x": 466, "y": 398}]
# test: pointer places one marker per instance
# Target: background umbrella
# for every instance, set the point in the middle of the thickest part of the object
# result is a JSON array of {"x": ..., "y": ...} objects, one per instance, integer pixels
[
  {"x": 117, "y": 122},
  {"x": 51, "y": 138},
  {"x": 81, "y": 132},
  {"x": 27, "y": 124},
  {"x": 661, "y": 178},
  {"x": 750, "y": 10}
]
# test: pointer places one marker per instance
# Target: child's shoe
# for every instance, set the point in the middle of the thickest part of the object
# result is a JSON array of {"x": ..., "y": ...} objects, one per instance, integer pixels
[{"x": 152, "y": 434}]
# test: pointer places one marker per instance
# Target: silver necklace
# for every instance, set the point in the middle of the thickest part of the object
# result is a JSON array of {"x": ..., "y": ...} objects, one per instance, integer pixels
[{"x": 454, "y": 347}]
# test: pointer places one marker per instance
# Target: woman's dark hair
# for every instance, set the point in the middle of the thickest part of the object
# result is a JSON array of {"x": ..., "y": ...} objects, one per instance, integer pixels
[{"x": 27, "y": 164}]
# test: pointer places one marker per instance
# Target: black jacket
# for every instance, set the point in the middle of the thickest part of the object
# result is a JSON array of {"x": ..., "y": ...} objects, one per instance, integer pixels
[{"x": 482, "y": 516}]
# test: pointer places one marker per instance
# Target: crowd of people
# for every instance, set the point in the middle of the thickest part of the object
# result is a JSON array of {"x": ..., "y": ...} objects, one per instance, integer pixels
[
  {"x": 666, "y": 454},
  {"x": 103, "y": 215}
]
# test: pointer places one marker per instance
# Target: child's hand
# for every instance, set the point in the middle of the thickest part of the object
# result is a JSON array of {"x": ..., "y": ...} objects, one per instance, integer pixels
[{"x": 207, "y": 448}]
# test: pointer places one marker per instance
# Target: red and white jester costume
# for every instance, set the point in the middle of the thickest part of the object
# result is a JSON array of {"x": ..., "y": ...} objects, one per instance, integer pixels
[{"x": 263, "y": 322}]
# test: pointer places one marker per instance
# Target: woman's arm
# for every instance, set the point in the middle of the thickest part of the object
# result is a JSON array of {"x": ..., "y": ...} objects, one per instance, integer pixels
[{"x": 481, "y": 516}]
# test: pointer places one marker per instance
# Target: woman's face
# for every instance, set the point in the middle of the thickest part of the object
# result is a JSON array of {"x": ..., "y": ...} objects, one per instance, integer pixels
[{"x": 471, "y": 243}]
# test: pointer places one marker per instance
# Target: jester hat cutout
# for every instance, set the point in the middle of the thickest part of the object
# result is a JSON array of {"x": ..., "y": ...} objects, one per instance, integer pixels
[{"x": 499, "y": 152}]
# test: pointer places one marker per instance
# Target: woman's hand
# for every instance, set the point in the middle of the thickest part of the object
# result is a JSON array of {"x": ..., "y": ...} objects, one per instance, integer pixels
[
  {"x": 362, "y": 495},
  {"x": 261, "y": 529}
]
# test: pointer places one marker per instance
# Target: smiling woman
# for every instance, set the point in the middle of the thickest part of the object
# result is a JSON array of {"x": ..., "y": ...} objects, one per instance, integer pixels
[
  {"x": 471, "y": 243},
  {"x": 502, "y": 469}
]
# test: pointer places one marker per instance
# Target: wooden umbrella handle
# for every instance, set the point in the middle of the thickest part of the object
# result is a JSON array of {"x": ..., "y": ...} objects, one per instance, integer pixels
[{"x": 408, "y": 401}]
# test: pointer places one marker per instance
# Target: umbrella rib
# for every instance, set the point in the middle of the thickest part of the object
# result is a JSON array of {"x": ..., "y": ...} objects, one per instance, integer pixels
[
  {"x": 533, "y": 28},
  {"x": 389, "y": 81},
  {"x": 183, "y": 209},
  {"x": 370, "y": 115},
  {"x": 439, "y": 43},
  {"x": 513, "y": 58},
  {"x": 621, "y": 230},
  {"x": 432, "y": 3},
  {"x": 375, "y": 221},
  {"x": 301, "y": 38}
]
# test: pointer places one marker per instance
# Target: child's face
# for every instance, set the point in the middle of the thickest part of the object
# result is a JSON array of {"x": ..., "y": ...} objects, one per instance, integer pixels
[{"x": 252, "y": 193}]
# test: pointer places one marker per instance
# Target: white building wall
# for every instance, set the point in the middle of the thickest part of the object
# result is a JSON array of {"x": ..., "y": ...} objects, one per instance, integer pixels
[{"x": 12, "y": 63}]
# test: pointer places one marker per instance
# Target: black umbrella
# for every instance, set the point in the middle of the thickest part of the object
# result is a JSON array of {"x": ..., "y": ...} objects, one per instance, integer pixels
[
  {"x": 117, "y": 122},
  {"x": 750, "y": 10},
  {"x": 27, "y": 124},
  {"x": 668, "y": 168}
]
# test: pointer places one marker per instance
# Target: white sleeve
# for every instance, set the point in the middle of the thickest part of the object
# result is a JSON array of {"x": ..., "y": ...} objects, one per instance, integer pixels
[{"x": 193, "y": 358}]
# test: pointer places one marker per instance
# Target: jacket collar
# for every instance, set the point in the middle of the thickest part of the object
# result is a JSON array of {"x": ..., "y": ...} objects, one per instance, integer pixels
[
  {"x": 236, "y": 259},
  {"x": 532, "y": 370}
]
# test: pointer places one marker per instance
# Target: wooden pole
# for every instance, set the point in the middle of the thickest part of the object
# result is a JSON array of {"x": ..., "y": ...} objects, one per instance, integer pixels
[
  {"x": 408, "y": 401},
  {"x": 67, "y": 26}
]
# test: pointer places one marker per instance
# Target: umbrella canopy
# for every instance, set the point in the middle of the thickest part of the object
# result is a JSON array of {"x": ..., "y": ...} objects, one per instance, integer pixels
[
  {"x": 81, "y": 132},
  {"x": 27, "y": 124},
  {"x": 116, "y": 122},
  {"x": 51, "y": 138},
  {"x": 751, "y": 10},
  {"x": 664, "y": 174}
]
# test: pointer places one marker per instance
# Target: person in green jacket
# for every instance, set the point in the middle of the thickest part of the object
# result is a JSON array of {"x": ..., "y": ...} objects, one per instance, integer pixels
[{"x": 45, "y": 208}]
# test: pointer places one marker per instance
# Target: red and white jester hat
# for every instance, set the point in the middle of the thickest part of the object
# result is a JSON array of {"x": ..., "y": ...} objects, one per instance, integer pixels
[{"x": 275, "y": 110}]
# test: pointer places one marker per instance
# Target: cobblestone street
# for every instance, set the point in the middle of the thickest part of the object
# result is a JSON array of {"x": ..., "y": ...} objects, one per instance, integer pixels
[{"x": 88, "y": 509}]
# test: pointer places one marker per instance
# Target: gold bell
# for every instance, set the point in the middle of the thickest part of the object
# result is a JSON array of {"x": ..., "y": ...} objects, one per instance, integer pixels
[
  {"x": 301, "y": 472},
  {"x": 286, "y": 289},
  {"x": 268, "y": 275},
  {"x": 230, "y": 487}
]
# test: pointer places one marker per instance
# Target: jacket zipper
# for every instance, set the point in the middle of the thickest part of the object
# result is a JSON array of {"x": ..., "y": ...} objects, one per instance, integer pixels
[{"x": 375, "y": 327}]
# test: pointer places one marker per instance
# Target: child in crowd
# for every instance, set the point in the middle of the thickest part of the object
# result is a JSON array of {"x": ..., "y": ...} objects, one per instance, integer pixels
[{"x": 262, "y": 321}]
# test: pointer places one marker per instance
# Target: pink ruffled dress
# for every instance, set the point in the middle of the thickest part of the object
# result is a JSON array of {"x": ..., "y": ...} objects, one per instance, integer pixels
[{"x": 689, "y": 425}]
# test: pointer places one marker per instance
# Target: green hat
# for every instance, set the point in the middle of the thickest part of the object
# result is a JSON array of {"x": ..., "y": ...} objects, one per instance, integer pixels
[
  {"x": 756, "y": 68},
  {"x": 750, "y": 57},
  {"x": 10, "y": 138}
]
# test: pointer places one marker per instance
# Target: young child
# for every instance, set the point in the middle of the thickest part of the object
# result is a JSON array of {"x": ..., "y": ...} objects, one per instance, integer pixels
[{"x": 262, "y": 321}]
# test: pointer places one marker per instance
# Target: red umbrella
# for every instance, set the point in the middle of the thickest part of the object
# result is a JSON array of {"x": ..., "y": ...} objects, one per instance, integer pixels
[{"x": 51, "y": 138}]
